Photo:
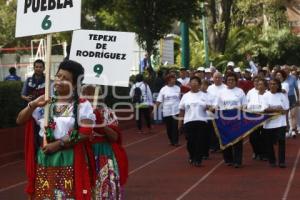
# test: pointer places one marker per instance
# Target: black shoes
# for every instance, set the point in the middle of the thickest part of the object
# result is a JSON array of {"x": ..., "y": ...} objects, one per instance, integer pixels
[
  {"x": 282, "y": 165},
  {"x": 237, "y": 165},
  {"x": 194, "y": 163},
  {"x": 272, "y": 165}
]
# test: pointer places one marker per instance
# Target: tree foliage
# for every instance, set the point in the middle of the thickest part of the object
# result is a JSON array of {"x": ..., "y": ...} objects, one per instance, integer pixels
[
  {"x": 153, "y": 19},
  {"x": 7, "y": 21}
]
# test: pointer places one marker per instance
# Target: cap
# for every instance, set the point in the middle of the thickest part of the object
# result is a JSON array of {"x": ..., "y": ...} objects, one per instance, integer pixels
[
  {"x": 207, "y": 70},
  {"x": 201, "y": 69},
  {"x": 230, "y": 63},
  {"x": 237, "y": 70},
  {"x": 265, "y": 68}
]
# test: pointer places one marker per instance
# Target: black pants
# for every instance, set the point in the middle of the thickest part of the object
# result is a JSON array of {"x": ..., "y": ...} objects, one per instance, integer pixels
[
  {"x": 146, "y": 113},
  {"x": 272, "y": 136},
  {"x": 207, "y": 135},
  {"x": 196, "y": 139},
  {"x": 258, "y": 143},
  {"x": 234, "y": 153},
  {"x": 214, "y": 144},
  {"x": 172, "y": 128}
]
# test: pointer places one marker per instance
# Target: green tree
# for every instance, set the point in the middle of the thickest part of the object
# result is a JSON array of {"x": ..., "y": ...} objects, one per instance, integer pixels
[
  {"x": 262, "y": 13},
  {"x": 153, "y": 19},
  {"x": 7, "y": 21},
  {"x": 219, "y": 14}
]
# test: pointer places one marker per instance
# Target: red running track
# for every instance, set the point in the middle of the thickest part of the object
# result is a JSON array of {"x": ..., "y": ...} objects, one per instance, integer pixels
[{"x": 161, "y": 172}]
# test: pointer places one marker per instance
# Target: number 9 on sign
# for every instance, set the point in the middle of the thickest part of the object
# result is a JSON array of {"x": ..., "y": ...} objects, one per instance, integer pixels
[{"x": 46, "y": 24}]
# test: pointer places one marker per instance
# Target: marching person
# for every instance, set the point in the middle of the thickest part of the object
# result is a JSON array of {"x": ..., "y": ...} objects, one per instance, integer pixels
[
  {"x": 183, "y": 77},
  {"x": 230, "y": 98},
  {"x": 193, "y": 106},
  {"x": 215, "y": 90},
  {"x": 293, "y": 96},
  {"x": 142, "y": 99},
  {"x": 169, "y": 98},
  {"x": 254, "y": 101},
  {"x": 274, "y": 130},
  {"x": 59, "y": 157},
  {"x": 209, "y": 116}
]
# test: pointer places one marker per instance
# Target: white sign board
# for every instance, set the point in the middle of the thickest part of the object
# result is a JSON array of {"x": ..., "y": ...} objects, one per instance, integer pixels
[
  {"x": 36, "y": 17},
  {"x": 106, "y": 56}
]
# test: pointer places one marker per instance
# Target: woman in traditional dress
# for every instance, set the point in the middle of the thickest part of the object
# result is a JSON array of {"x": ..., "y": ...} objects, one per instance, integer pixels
[
  {"x": 110, "y": 157},
  {"x": 59, "y": 157}
]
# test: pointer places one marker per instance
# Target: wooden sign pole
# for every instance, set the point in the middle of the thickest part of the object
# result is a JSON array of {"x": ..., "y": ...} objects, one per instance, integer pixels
[
  {"x": 47, "y": 81},
  {"x": 96, "y": 95}
]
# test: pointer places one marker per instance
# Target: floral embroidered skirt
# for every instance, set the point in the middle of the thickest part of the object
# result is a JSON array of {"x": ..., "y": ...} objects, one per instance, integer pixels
[
  {"x": 108, "y": 179},
  {"x": 54, "y": 176}
]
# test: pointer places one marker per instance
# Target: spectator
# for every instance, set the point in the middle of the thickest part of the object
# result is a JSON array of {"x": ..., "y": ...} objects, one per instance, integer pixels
[
  {"x": 253, "y": 67},
  {"x": 145, "y": 63},
  {"x": 12, "y": 75},
  {"x": 158, "y": 84},
  {"x": 34, "y": 86}
]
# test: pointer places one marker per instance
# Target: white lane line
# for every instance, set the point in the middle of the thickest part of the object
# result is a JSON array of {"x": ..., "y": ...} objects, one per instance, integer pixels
[
  {"x": 141, "y": 140},
  {"x": 12, "y": 186},
  {"x": 288, "y": 187},
  {"x": 203, "y": 178},
  {"x": 11, "y": 163},
  {"x": 154, "y": 160},
  {"x": 130, "y": 144},
  {"x": 200, "y": 181}
]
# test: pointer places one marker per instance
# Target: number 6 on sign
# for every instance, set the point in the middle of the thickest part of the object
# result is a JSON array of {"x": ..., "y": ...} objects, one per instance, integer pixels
[{"x": 46, "y": 24}]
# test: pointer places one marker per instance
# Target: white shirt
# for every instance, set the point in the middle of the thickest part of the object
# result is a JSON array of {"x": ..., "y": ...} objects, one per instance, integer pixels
[
  {"x": 170, "y": 98},
  {"x": 146, "y": 92},
  {"x": 211, "y": 101},
  {"x": 231, "y": 98},
  {"x": 214, "y": 91},
  {"x": 285, "y": 87},
  {"x": 66, "y": 122},
  {"x": 274, "y": 100},
  {"x": 184, "y": 81},
  {"x": 254, "y": 101},
  {"x": 194, "y": 105}
]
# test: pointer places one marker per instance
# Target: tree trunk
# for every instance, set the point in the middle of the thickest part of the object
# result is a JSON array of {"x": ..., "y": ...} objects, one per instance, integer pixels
[
  {"x": 212, "y": 20},
  {"x": 219, "y": 14}
]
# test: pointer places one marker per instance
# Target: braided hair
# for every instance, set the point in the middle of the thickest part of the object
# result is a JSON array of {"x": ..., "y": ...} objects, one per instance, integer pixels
[{"x": 77, "y": 72}]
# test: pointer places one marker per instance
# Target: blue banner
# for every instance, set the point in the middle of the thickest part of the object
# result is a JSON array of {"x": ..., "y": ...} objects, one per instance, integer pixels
[{"x": 233, "y": 125}]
